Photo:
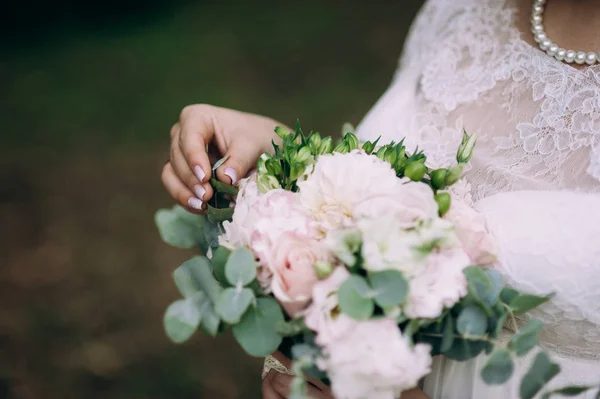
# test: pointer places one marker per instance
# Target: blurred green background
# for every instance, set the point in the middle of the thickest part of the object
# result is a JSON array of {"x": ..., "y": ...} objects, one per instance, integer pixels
[{"x": 89, "y": 91}]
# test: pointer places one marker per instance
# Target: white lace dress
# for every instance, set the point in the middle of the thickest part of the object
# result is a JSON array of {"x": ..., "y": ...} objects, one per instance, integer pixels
[{"x": 535, "y": 174}]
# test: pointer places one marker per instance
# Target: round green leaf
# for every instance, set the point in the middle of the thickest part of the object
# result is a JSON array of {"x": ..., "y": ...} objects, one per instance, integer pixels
[
  {"x": 448, "y": 334},
  {"x": 181, "y": 320},
  {"x": 526, "y": 338},
  {"x": 354, "y": 298},
  {"x": 232, "y": 304},
  {"x": 526, "y": 302},
  {"x": 498, "y": 369},
  {"x": 472, "y": 322},
  {"x": 219, "y": 260},
  {"x": 389, "y": 286},
  {"x": 542, "y": 370},
  {"x": 209, "y": 321},
  {"x": 508, "y": 294},
  {"x": 240, "y": 268},
  {"x": 256, "y": 332},
  {"x": 179, "y": 228},
  {"x": 465, "y": 349},
  {"x": 199, "y": 269}
]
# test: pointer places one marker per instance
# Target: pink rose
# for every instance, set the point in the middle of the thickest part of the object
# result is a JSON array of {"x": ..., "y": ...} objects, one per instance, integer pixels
[
  {"x": 472, "y": 233},
  {"x": 291, "y": 262}
]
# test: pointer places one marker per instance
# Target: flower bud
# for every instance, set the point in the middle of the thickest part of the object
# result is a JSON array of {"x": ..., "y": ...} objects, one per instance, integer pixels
[
  {"x": 261, "y": 166},
  {"x": 390, "y": 155},
  {"x": 296, "y": 170},
  {"x": 438, "y": 178},
  {"x": 342, "y": 147},
  {"x": 453, "y": 175},
  {"x": 326, "y": 146},
  {"x": 381, "y": 152},
  {"x": 273, "y": 167},
  {"x": 368, "y": 147},
  {"x": 351, "y": 141},
  {"x": 314, "y": 141},
  {"x": 415, "y": 171},
  {"x": 282, "y": 132},
  {"x": 303, "y": 156},
  {"x": 347, "y": 128},
  {"x": 267, "y": 183},
  {"x": 443, "y": 200},
  {"x": 322, "y": 269},
  {"x": 465, "y": 150}
]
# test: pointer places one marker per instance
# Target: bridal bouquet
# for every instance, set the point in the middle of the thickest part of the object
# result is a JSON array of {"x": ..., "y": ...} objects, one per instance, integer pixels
[{"x": 355, "y": 260}]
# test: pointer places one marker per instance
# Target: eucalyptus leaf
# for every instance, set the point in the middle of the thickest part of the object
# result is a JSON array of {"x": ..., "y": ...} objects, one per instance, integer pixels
[
  {"x": 541, "y": 372},
  {"x": 223, "y": 188},
  {"x": 219, "y": 259},
  {"x": 218, "y": 215},
  {"x": 233, "y": 303},
  {"x": 508, "y": 294},
  {"x": 526, "y": 302},
  {"x": 291, "y": 328},
  {"x": 181, "y": 320},
  {"x": 497, "y": 284},
  {"x": 573, "y": 390},
  {"x": 240, "y": 268},
  {"x": 354, "y": 299},
  {"x": 256, "y": 331},
  {"x": 180, "y": 228},
  {"x": 479, "y": 286},
  {"x": 498, "y": 368},
  {"x": 526, "y": 338},
  {"x": 200, "y": 270},
  {"x": 448, "y": 334},
  {"x": 390, "y": 288},
  {"x": 472, "y": 322},
  {"x": 464, "y": 349},
  {"x": 211, "y": 236},
  {"x": 209, "y": 321}
]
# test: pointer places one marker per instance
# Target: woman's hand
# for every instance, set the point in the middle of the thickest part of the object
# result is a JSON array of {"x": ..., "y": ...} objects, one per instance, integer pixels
[
  {"x": 224, "y": 132},
  {"x": 277, "y": 385}
]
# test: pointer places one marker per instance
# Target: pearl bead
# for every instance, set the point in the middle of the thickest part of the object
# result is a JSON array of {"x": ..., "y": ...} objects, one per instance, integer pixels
[
  {"x": 544, "y": 44},
  {"x": 580, "y": 57},
  {"x": 552, "y": 49},
  {"x": 591, "y": 58},
  {"x": 541, "y": 2},
  {"x": 537, "y": 28},
  {"x": 560, "y": 54},
  {"x": 538, "y": 9},
  {"x": 570, "y": 56},
  {"x": 536, "y": 19},
  {"x": 540, "y": 36}
]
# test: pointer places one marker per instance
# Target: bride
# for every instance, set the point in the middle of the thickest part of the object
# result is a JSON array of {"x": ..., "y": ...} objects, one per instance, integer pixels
[{"x": 493, "y": 68}]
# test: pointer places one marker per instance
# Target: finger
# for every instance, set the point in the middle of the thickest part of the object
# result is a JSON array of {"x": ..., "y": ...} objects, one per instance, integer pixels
[
  {"x": 282, "y": 384},
  {"x": 268, "y": 392},
  {"x": 180, "y": 193},
  {"x": 197, "y": 130},
  {"x": 203, "y": 191},
  {"x": 241, "y": 158}
]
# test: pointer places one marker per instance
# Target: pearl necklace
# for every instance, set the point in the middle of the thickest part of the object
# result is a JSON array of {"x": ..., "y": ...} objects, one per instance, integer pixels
[{"x": 539, "y": 35}]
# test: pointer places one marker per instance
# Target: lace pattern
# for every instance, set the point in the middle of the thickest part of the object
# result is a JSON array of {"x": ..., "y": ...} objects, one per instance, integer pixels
[{"x": 465, "y": 65}]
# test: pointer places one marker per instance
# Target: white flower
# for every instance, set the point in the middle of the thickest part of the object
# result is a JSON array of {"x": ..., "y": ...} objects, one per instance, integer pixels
[
  {"x": 440, "y": 284},
  {"x": 238, "y": 231},
  {"x": 341, "y": 182},
  {"x": 374, "y": 360}
]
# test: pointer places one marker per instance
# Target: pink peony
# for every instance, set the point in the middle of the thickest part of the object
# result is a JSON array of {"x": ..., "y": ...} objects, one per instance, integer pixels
[
  {"x": 237, "y": 232},
  {"x": 472, "y": 233},
  {"x": 291, "y": 263},
  {"x": 439, "y": 285}
]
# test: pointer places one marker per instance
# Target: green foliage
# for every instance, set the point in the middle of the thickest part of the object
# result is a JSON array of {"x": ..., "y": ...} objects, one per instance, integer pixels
[
  {"x": 390, "y": 288},
  {"x": 498, "y": 368},
  {"x": 541, "y": 372},
  {"x": 222, "y": 187},
  {"x": 526, "y": 338},
  {"x": 256, "y": 332},
  {"x": 181, "y": 320},
  {"x": 355, "y": 298},
  {"x": 291, "y": 328},
  {"x": 180, "y": 228},
  {"x": 232, "y": 304},
  {"x": 219, "y": 260},
  {"x": 472, "y": 322},
  {"x": 240, "y": 268},
  {"x": 197, "y": 273},
  {"x": 526, "y": 302},
  {"x": 570, "y": 391},
  {"x": 219, "y": 215}
]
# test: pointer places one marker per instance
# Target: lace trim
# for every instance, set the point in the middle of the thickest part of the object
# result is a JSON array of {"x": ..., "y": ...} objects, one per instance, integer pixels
[{"x": 273, "y": 364}]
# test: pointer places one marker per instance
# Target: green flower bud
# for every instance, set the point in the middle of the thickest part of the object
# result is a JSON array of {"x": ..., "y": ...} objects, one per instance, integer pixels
[
  {"x": 415, "y": 171},
  {"x": 267, "y": 183},
  {"x": 326, "y": 146},
  {"x": 368, "y": 147},
  {"x": 296, "y": 170},
  {"x": 443, "y": 200},
  {"x": 322, "y": 269},
  {"x": 282, "y": 132},
  {"x": 303, "y": 156},
  {"x": 342, "y": 147},
  {"x": 261, "y": 166},
  {"x": 381, "y": 152},
  {"x": 438, "y": 178},
  {"x": 352, "y": 141},
  {"x": 465, "y": 150},
  {"x": 454, "y": 174},
  {"x": 390, "y": 155},
  {"x": 314, "y": 141},
  {"x": 273, "y": 167}
]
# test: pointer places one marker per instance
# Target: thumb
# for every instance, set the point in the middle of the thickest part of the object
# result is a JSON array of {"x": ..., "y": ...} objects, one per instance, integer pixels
[{"x": 241, "y": 158}]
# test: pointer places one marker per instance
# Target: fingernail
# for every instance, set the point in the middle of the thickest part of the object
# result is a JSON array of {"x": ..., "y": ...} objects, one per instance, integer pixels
[
  {"x": 199, "y": 173},
  {"x": 232, "y": 175},
  {"x": 200, "y": 191},
  {"x": 195, "y": 203}
]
